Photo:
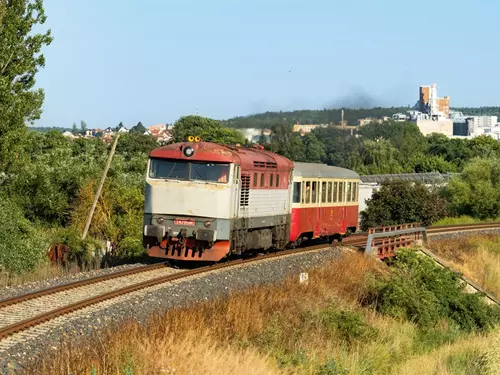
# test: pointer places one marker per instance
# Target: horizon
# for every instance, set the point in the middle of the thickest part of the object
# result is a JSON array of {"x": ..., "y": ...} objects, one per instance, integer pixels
[{"x": 115, "y": 61}]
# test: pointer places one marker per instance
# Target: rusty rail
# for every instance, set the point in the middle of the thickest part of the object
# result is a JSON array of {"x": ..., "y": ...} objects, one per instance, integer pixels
[
  {"x": 355, "y": 240},
  {"x": 75, "y": 284}
]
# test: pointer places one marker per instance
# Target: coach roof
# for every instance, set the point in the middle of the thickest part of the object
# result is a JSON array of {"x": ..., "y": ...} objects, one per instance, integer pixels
[{"x": 316, "y": 170}]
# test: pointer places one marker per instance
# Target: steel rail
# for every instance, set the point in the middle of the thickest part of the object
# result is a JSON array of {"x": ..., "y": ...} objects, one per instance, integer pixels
[
  {"x": 354, "y": 240},
  {"x": 75, "y": 284},
  {"x": 25, "y": 324}
]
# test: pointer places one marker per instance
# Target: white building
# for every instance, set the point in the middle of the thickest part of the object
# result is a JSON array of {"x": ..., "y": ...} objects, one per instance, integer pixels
[
  {"x": 442, "y": 126},
  {"x": 477, "y": 124}
]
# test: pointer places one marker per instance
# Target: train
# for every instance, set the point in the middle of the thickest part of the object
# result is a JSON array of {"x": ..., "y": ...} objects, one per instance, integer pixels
[{"x": 206, "y": 201}]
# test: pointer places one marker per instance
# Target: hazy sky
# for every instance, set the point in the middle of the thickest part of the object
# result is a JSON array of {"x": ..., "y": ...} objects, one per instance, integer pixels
[{"x": 156, "y": 60}]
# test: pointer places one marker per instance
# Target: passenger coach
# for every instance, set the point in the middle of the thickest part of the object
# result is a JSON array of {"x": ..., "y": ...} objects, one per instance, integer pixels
[{"x": 325, "y": 202}]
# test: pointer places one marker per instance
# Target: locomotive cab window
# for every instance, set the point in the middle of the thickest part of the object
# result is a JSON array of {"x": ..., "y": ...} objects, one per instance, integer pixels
[
  {"x": 277, "y": 180},
  {"x": 255, "y": 179},
  {"x": 271, "y": 180},
  {"x": 262, "y": 180},
  {"x": 168, "y": 169},
  {"x": 296, "y": 192}
]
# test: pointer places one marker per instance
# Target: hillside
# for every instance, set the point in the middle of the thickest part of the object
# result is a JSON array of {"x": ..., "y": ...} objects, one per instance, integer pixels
[{"x": 268, "y": 119}]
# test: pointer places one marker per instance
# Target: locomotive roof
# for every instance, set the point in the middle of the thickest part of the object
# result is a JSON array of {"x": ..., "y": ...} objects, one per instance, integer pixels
[
  {"x": 312, "y": 170},
  {"x": 248, "y": 158}
]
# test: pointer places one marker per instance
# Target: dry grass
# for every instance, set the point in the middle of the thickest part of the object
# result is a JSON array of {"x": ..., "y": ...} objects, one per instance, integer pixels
[
  {"x": 282, "y": 329},
  {"x": 44, "y": 271},
  {"x": 477, "y": 257},
  {"x": 462, "y": 357}
]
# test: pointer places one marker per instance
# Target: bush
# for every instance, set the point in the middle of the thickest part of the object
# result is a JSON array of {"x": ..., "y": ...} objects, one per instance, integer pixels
[
  {"x": 423, "y": 292},
  {"x": 399, "y": 202},
  {"x": 21, "y": 245}
]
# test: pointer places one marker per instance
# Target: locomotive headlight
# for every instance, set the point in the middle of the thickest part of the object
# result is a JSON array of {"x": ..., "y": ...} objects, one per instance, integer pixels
[
  {"x": 188, "y": 151},
  {"x": 207, "y": 223},
  {"x": 159, "y": 220}
]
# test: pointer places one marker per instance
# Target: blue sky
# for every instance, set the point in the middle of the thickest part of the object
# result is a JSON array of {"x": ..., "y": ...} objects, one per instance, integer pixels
[{"x": 156, "y": 60}]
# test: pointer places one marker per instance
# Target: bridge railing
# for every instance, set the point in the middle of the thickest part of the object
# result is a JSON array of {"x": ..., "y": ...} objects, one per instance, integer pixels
[{"x": 386, "y": 239}]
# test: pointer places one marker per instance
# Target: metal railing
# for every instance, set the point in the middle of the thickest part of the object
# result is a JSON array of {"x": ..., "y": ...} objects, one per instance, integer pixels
[{"x": 385, "y": 240}]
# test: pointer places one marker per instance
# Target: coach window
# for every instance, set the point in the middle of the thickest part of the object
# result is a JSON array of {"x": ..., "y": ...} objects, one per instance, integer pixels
[
  {"x": 314, "y": 191},
  {"x": 323, "y": 192},
  {"x": 349, "y": 191},
  {"x": 329, "y": 192},
  {"x": 354, "y": 191},
  {"x": 296, "y": 192},
  {"x": 255, "y": 179},
  {"x": 307, "y": 192},
  {"x": 271, "y": 176},
  {"x": 341, "y": 191},
  {"x": 335, "y": 191},
  {"x": 277, "y": 180}
]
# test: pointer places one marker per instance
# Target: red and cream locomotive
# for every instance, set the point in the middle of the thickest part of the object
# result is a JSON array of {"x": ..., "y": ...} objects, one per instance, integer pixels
[{"x": 205, "y": 201}]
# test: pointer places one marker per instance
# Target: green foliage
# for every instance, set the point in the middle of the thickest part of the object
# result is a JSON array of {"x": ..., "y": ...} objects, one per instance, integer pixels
[
  {"x": 139, "y": 128},
  {"x": 207, "y": 129},
  {"x": 398, "y": 202},
  {"x": 476, "y": 191},
  {"x": 325, "y": 116},
  {"x": 348, "y": 326},
  {"x": 20, "y": 60},
  {"x": 421, "y": 291},
  {"x": 22, "y": 247}
]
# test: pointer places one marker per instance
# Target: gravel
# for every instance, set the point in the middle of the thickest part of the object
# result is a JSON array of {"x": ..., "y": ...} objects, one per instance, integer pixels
[
  {"x": 139, "y": 305},
  {"x": 17, "y": 290}
]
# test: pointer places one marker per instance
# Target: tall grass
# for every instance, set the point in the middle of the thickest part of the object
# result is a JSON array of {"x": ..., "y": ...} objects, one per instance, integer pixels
[
  {"x": 477, "y": 257},
  {"x": 323, "y": 327},
  {"x": 463, "y": 220}
]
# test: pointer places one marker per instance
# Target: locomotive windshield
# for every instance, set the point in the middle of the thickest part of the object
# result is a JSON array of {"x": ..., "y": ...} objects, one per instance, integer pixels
[{"x": 166, "y": 169}]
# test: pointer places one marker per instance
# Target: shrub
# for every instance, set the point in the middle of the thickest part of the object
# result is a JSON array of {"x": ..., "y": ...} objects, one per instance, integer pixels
[
  {"x": 21, "y": 246},
  {"x": 421, "y": 291},
  {"x": 400, "y": 202}
]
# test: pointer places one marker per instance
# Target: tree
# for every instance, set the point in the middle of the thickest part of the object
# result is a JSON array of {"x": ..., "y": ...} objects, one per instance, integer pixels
[
  {"x": 377, "y": 157},
  {"x": 20, "y": 60},
  {"x": 139, "y": 128},
  {"x": 83, "y": 126},
  {"x": 315, "y": 149},
  {"x": 74, "y": 130},
  {"x": 476, "y": 191},
  {"x": 398, "y": 202},
  {"x": 206, "y": 128},
  {"x": 287, "y": 143}
]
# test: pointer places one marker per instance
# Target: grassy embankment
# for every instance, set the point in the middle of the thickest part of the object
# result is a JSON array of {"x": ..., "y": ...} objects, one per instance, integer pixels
[
  {"x": 355, "y": 316},
  {"x": 477, "y": 257}
]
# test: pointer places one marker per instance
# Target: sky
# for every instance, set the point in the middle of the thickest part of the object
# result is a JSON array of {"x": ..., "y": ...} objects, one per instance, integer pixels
[{"x": 154, "y": 61}]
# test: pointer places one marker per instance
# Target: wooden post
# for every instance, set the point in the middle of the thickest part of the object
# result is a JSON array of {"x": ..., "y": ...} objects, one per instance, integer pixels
[{"x": 101, "y": 184}]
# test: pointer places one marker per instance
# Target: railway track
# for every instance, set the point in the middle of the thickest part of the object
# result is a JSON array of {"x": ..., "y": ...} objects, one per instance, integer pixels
[{"x": 19, "y": 313}]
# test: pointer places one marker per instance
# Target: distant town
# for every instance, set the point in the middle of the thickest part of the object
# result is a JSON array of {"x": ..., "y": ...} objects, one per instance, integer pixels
[{"x": 431, "y": 114}]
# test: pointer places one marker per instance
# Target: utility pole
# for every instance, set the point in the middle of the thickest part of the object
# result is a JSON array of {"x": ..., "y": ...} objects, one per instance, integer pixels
[
  {"x": 342, "y": 119},
  {"x": 101, "y": 184}
]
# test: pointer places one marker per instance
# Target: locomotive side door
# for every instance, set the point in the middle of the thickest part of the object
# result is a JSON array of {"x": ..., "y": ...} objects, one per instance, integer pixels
[{"x": 236, "y": 190}]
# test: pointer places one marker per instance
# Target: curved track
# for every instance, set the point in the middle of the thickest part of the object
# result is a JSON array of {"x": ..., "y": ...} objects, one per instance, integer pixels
[{"x": 25, "y": 311}]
